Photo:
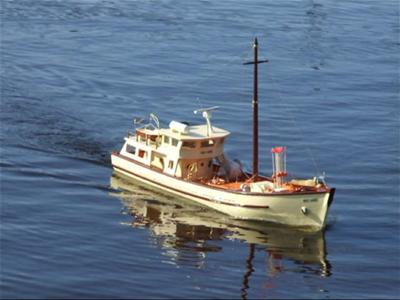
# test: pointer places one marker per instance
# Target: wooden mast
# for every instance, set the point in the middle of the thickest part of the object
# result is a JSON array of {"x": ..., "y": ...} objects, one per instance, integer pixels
[
  {"x": 255, "y": 107},
  {"x": 255, "y": 111}
]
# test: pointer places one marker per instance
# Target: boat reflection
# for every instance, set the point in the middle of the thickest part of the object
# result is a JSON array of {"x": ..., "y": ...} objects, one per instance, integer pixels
[{"x": 187, "y": 232}]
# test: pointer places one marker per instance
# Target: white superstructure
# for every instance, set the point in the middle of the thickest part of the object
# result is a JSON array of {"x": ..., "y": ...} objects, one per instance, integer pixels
[{"x": 188, "y": 160}]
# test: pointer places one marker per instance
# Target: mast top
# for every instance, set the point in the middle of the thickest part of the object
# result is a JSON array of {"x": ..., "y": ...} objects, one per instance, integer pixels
[{"x": 256, "y": 60}]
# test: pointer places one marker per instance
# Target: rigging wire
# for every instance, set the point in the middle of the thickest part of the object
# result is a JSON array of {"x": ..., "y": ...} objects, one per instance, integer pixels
[{"x": 297, "y": 126}]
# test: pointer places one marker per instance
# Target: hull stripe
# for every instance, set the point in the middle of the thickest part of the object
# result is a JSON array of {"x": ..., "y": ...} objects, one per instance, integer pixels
[{"x": 189, "y": 194}]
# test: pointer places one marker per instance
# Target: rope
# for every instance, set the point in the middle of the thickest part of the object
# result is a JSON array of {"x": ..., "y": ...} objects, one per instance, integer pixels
[{"x": 297, "y": 126}]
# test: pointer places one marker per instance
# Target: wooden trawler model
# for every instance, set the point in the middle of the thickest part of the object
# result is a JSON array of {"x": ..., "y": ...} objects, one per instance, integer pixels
[{"x": 189, "y": 161}]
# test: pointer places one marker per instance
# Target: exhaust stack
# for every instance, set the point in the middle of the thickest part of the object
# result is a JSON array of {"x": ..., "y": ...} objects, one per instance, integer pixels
[{"x": 278, "y": 166}]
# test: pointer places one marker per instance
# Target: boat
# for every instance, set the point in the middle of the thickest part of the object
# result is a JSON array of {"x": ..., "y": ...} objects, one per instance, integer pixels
[
  {"x": 188, "y": 160},
  {"x": 183, "y": 229}
]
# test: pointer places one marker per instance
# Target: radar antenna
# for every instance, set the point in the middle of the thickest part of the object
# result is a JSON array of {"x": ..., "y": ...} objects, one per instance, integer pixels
[{"x": 207, "y": 113}]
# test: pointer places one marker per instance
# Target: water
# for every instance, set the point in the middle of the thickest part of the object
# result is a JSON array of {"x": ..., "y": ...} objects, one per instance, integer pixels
[{"x": 75, "y": 73}]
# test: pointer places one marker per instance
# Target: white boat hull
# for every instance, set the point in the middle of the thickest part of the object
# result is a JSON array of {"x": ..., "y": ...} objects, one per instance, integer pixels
[{"x": 307, "y": 209}]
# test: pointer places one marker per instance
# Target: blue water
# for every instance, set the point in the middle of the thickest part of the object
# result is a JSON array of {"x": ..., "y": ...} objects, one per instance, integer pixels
[{"x": 75, "y": 73}]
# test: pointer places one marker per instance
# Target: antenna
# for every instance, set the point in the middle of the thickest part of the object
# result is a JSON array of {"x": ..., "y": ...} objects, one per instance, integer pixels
[
  {"x": 154, "y": 118},
  {"x": 137, "y": 121},
  {"x": 206, "y": 113}
]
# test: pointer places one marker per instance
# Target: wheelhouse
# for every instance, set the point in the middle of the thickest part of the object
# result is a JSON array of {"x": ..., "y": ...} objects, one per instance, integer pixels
[{"x": 181, "y": 150}]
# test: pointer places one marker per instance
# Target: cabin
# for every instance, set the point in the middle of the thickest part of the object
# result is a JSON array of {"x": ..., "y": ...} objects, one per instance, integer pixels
[{"x": 182, "y": 150}]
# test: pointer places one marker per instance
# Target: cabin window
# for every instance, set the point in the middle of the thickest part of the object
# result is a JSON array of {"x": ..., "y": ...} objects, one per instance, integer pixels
[
  {"x": 142, "y": 139},
  {"x": 130, "y": 149},
  {"x": 174, "y": 142},
  {"x": 209, "y": 163},
  {"x": 142, "y": 153},
  {"x": 166, "y": 139},
  {"x": 187, "y": 144},
  {"x": 171, "y": 164},
  {"x": 140, "y": 136},
  {"x": 207, "y": 143},
  {"x": 202, "y": 164}
]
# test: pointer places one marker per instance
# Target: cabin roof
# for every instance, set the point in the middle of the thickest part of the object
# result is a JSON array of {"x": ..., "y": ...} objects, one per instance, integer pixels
[{"x": 196, "y": 132}]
